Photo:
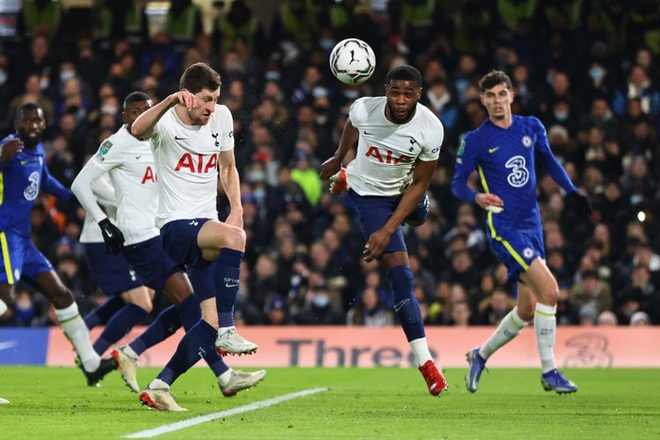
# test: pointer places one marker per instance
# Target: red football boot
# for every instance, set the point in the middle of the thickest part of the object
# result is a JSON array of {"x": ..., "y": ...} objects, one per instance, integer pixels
[{"x": 435, "y": 381}]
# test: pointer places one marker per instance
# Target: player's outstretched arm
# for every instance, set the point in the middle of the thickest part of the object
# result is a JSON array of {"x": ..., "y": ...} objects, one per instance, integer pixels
[{"x": 349, "y": 138}]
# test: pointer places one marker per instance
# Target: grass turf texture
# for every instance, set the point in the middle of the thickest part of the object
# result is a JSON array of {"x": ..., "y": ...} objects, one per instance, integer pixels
[{"x": 392, "y": 403}]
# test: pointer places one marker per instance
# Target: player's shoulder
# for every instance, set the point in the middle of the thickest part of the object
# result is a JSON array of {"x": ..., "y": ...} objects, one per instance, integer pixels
[
  {"x": 221, "y": 115},
  {"x": 479, "y": 133},
  {"x": 529, "y": 121},
  {"x": 114, "y": 142},
  {"x": 365, "y": 106},
  {"x": 427, "y": 117},
  {"x": 221, "y": 111},
  {"x": 118, "y": 137}
]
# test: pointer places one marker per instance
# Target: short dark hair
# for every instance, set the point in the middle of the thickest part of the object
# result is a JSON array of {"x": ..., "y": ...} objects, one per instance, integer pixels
[
  {"x": 493, "y": 78},
  {"x": 200, "y": 76},
  {"x": 135, "y": 97},
  {"x": 25, "y": 107},
  {"x": 404, "y": 73}
]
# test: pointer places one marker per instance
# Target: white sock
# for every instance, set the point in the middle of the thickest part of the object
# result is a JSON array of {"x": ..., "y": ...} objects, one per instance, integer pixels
[
  {"x": 510, "y": 327},
  {"x": 421, "y": 351},
  {"x": 130, "y": 352},
  {"x": 225, "y": 377},
  {"x": 545, "y": 325},
  {"x": 158, "y": 384},
  {"x": 78, "y": 334},
  {"x": 3, "y": 307},
  {"x": 223, "y": 330}
]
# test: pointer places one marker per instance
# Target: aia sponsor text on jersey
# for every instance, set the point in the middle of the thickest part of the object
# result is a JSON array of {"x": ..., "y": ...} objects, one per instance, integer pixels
[
  {"x": 387, "y": 156},
  {"x": 198, "y": 164}
]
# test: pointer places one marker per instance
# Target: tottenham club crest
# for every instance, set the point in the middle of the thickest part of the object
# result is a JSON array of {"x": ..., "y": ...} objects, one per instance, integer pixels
[{"x": 527, "y": 141}]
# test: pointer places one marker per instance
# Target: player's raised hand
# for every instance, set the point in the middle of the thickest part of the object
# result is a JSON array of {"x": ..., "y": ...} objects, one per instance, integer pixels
[
  {"x": 376, "y": 244},
  {"x": 579, "y": 202},
  {"x": 329, "y": 168},
  {"x": 112, "y": 235},
  {"x": 10, "y": 148},
  {"x": 185, "y": 98}
]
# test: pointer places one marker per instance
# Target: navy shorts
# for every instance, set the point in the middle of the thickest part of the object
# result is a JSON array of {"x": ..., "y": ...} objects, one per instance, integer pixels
[
  {"x": 180, "y": 241},
  {"x": 517, "y": 249},
  {"x": 20, "y": 257},
  {"x": 151, "y": 262},
  {"x": 374, "y": 211},
  {"x": 112, "y": 273}
]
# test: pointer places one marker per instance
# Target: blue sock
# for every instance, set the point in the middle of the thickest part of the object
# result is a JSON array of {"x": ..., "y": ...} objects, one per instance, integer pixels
[
  {"x": 101, "y": 314},
  {"x": 406, "y": 306},
  {"x": 196, "y": 343},
  {"x": 215, "y": 362},
  {"x": 189, "y": 312},
  {"x": 118, "y": 326},
  {"x": 164, "y": 326},
  {"x": 227, "y": 272}
]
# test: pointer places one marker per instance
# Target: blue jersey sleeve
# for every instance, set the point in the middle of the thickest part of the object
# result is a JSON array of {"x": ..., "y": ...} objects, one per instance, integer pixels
[
  {"x": 466, "y": 162},
  {"x": 548, "y": 159},
  {"x": 52, "y": 186}
]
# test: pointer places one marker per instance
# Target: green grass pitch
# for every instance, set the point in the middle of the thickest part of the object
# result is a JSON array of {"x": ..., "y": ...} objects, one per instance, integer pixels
[{"x": 380, "y": 403}]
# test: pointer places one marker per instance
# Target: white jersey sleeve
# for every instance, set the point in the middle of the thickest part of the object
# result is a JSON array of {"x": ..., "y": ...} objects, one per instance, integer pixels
[
  {"x": 386, "y": 151},
  {"x": 105, "y": 196},
  {"x": 130, "y": 165},
  {"x": 186, "y": 158}
]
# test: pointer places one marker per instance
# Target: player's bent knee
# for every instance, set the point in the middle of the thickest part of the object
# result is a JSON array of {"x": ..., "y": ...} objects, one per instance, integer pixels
[
  {"x": 237, "y": 239},
  {"x": 549, "y": 297}
]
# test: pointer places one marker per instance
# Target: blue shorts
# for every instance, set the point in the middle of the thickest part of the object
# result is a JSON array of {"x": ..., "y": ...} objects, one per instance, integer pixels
[
  {"x": 374, "y": 211},
  {"x": 517, "y": 249},
  {"x": 151, "y": 262},
  {"x": 112, "y": 273},
  {"x": 180, "y": 241},
  {"x": 20, "y": 257}
]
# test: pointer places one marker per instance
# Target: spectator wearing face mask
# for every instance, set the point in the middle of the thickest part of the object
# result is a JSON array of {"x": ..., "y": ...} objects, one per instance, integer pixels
[{"x": 319, "y": 309}]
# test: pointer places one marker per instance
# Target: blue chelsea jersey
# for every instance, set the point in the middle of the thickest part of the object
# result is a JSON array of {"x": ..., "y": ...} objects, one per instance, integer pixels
[
  {"x": 21, "y": 178},
  {"x": 505, "y": 160}
]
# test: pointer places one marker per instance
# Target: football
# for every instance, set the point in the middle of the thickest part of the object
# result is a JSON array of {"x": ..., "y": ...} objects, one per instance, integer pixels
[{"x": 352, "y": 61}]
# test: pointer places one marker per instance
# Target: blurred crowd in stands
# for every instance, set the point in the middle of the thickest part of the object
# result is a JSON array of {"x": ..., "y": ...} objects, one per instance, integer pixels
[{"x": 587, "y": 68}]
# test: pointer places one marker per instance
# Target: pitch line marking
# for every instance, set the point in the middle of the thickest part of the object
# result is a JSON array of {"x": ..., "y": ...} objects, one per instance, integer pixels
[{"x": 171, "y": 427}]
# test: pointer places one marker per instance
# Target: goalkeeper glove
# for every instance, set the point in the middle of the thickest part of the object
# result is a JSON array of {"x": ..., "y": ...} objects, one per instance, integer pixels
[
  {"x": 114, "y": 239},
  {"x": 579, "y": 202}
]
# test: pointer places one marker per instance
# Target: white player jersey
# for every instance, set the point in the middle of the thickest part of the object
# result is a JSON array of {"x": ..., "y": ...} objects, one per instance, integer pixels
[
  {"x": 386, "y": 152},
  {"x": 91, "y": 232},
  {"x": 186, "y": 159},
  {"x": 130, "y": 164}
]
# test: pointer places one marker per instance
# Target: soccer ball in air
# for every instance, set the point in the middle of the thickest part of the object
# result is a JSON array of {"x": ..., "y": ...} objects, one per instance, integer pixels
[{"x": 352, "y": 61}]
